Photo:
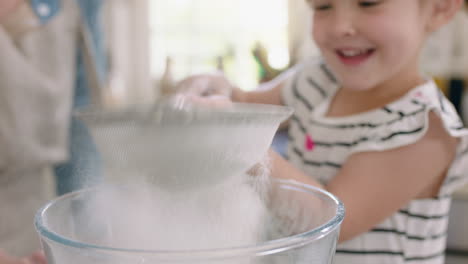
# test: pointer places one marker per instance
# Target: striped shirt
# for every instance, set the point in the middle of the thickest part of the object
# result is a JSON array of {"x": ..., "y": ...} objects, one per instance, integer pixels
[{"x": 417, "y": 232}]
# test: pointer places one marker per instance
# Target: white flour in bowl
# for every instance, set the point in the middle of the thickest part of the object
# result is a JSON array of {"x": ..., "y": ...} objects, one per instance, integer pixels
[{"x": 138, "y": 216}]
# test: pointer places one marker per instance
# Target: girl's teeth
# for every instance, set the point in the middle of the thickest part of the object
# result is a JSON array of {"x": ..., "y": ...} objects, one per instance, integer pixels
[{"x": 351, "y": 53}]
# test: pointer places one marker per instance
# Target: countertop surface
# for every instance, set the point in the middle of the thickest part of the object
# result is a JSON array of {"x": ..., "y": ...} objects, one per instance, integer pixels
[
  {"x": 456, "y": 259},
  {"x": 461, "y": 193}
]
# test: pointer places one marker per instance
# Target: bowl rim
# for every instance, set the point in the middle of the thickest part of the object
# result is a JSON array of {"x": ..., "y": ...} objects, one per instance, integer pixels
[
  {"x": 166, "y": 114},
  {"x": 262, "y": 249}
]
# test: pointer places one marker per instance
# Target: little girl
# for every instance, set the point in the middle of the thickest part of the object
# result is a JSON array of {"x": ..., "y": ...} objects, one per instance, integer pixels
[{"x": 371, "y": 129}]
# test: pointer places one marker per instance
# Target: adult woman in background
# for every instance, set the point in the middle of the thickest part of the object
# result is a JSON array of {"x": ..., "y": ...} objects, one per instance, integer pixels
[{"x": 37, "y": 71}]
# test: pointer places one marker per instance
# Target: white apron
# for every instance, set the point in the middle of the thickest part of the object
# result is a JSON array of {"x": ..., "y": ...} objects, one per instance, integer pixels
[{"x": 37, "y": 74}]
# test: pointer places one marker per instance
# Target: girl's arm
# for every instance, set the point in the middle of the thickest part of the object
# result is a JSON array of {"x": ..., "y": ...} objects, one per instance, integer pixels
[
  {"x": 375, "y": 185},
  {"x": 218, "y": 84},
  {"x": 266, "y": 93}
]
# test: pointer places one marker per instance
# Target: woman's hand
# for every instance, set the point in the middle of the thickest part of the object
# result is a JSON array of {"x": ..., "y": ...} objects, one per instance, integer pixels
[{"x": 35, "y": 258}]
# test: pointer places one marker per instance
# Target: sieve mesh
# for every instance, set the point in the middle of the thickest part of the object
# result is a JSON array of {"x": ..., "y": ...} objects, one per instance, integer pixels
[{"x": 183, "y": 147}]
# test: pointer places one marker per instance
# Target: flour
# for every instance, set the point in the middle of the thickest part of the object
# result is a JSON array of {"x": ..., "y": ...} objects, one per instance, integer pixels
[{"x": 138, "y": 216}]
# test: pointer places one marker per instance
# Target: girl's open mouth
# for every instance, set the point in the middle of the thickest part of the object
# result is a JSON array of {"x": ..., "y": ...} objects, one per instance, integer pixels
[{"x": 353, "y": 57}]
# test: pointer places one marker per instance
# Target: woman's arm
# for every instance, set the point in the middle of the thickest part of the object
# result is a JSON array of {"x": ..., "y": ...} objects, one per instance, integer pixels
[
  {"x": 374, "y": 185},
  {"x": 8, "y": 7},
  {"x": 18, "y": 18}
]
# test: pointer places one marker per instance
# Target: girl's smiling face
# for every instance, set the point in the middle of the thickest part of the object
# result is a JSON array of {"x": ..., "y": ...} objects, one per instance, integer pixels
[{"x": 370, "y": 42}]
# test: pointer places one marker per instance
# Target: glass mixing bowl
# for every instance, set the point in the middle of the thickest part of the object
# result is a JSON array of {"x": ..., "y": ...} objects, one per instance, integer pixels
[{"x": 303, "y": 227}]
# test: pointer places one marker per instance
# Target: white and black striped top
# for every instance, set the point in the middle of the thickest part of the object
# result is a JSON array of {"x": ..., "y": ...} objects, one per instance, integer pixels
[{"x": 320, "y": 145}]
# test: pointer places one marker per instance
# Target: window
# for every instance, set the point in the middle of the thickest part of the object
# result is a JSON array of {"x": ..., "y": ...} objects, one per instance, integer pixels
[{"x": 201, "y": 35}]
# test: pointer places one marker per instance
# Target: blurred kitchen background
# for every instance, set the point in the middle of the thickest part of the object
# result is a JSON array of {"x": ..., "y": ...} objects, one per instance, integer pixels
[
  {"x": 251, "y": 41},
  {"x": 151, "y": 44}
]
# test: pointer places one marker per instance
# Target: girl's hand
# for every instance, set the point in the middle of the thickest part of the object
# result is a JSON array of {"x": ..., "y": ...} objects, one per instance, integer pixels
[
  {"x": 35, "y": 258},
  {"x": 187, "y": 101},
  {"x": 206, "y": 85}
]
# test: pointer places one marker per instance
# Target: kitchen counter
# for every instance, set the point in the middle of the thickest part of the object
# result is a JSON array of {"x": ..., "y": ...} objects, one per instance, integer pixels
[
  {"x": 456, "y": 259},
  {"x": 461, "y": 193},
  {"x": 457, "y": 232}
]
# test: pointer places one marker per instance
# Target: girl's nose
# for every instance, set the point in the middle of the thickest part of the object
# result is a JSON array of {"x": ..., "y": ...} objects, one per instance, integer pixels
[{"x": 344, "y": 24}]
